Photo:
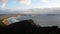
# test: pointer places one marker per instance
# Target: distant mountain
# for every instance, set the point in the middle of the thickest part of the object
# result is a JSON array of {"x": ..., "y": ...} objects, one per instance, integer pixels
[
  {"x": 32, "y": 11},
  {"x": 7, "y": 12}
]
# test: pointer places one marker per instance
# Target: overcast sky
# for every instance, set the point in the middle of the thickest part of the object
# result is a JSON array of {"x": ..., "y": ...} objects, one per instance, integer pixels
[{"x": 12, "y": 4}]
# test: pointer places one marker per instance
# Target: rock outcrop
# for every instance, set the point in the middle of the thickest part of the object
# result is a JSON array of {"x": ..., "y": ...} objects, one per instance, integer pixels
[{"x": 29, "y": 27}]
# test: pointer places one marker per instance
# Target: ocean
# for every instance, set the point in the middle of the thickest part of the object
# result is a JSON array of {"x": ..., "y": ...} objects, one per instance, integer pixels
[{"x": 42, "y": 20}]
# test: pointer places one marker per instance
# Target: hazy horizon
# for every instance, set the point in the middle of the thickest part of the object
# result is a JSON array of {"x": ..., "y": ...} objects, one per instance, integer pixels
[{"x": 31, "y": 11}]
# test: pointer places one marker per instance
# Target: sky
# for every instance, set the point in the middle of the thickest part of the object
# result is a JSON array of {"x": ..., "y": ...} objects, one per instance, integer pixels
[{"x": 18, "y": 4}]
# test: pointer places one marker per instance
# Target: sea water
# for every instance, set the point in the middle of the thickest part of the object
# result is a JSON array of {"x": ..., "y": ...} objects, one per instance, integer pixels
[{"x": 42, "y": 20}]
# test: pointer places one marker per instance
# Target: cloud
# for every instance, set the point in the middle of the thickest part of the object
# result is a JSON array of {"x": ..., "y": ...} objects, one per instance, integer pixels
[
  {"x": 50, "y": 0},
  {"x": 45, "y": 0},
  {"x": 2, "y": 3},
  {"x": 27, "y": 2}
]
